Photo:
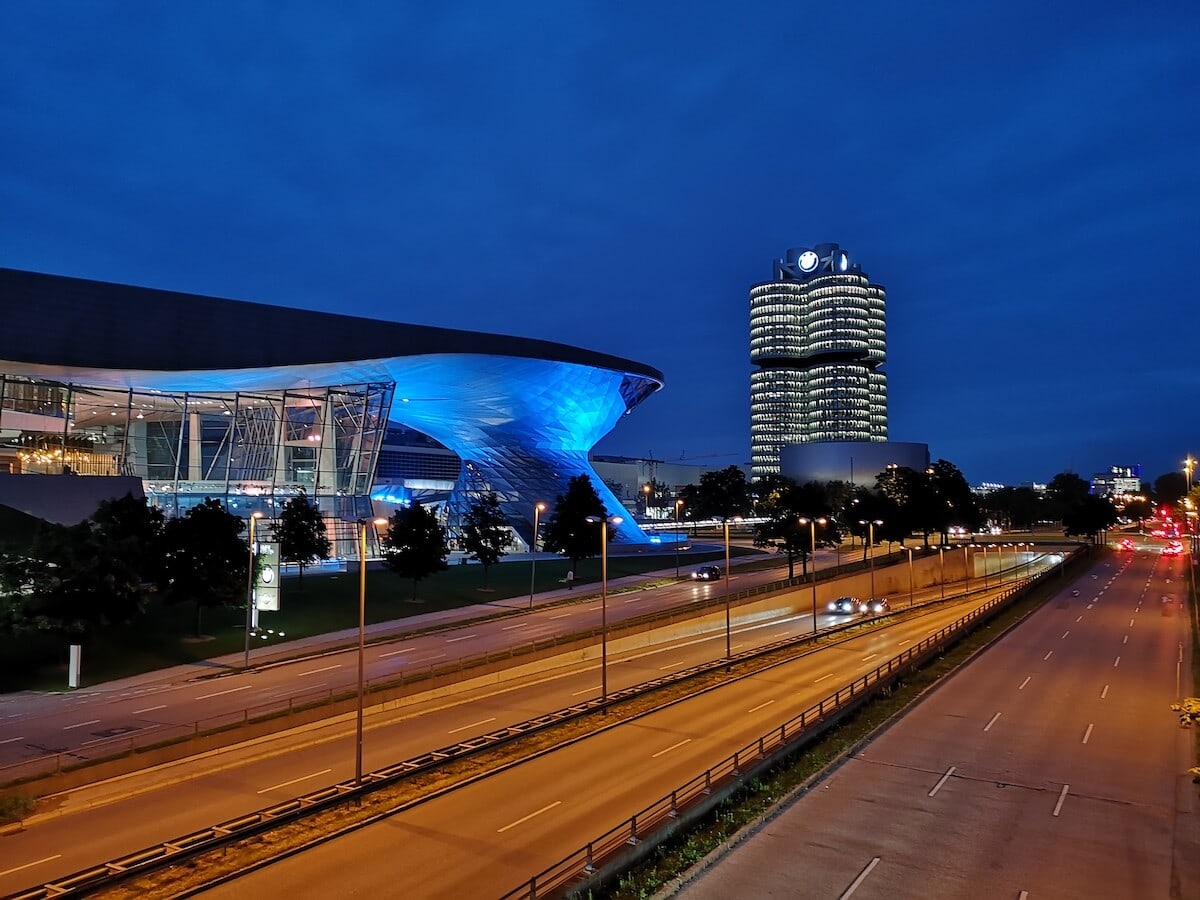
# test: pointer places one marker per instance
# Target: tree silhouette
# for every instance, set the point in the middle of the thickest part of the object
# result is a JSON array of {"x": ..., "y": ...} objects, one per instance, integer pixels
[
  {"x": 206, "y": 561},
  {"x": 415, "y": 545},
  {"x": 485, "y": 532},
  {"x": 301, "y": 532},
  {"x": 567, "y": 531}
]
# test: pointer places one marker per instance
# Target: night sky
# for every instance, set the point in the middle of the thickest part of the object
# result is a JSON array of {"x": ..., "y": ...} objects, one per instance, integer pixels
[{"x": 1024, "y": 180}]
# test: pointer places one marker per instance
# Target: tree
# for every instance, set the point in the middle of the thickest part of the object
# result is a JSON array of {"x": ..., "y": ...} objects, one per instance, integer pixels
[
  {"x": 1170, "y": 488},
  {"x": 954, "y": 502},
  {"x": 1012, "y": 507},
  {"x": 784, "y": 504},
  {"x": 1089, "y": 516},
  {"x": 1065, "y": 491},
  {"x": 301, "y": 532},
  {"x": 415, "y": 545},
  {"x": 485, "y": 533},
  {"x": 722, "y": 494},
  {"x": 206, "y": 561},
  {"x": 567, "y": 531}
]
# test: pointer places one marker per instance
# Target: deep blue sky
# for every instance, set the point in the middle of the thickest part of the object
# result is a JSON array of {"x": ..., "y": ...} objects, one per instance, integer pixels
[{"x": 613, "y": 175}]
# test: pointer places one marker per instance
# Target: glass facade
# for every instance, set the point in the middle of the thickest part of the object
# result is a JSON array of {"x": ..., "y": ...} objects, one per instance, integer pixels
[{"x": 817, "y": 342}]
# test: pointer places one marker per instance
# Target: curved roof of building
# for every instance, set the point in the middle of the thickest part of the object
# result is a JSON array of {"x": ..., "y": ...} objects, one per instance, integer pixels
[{"x": 75, "y": 323}]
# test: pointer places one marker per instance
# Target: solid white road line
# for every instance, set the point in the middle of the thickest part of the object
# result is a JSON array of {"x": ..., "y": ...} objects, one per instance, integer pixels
[
  {"x": 80, "y": 724},
  {"x": 988, "y": 726},
  {"x": 394, "y": 652},
  {"x": 528, "y": 817},
  {"x": 1025, "y": 682},
  {"x": 1104, "y": 693},
  {"x": 465, "y": 637},
  {"x": 760, "y": 706},
  {"x": 1061, "y": 798},
  {"x": 244, "y": 687},
  {"x": 317, "y": 671},
  {"x": 1047, "y": 656},
  {"x": 937, "y": 787},
  {"x": 472, "y": 725},
  {"x": 30, "y": 865},
  {"x": 669, "y": 749},
  {"x": 138, "y": 712},
  {"x": 862, "y": 876},
  {"x": 284, "y": 784},
  {"x": 1087, "y": 734}
]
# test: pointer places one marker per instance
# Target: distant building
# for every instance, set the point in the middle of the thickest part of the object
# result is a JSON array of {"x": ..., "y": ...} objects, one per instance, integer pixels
[
  {"x": 1119, "y": 482},
  {"x": 817, "y": 343}
]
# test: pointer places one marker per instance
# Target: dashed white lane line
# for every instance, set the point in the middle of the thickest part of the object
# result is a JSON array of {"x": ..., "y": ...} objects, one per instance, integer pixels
[
  {"x": 81, "y": 724},
  {"x": 1104, "y": 693},
  {"x": 472, "y": 725},
  {"x": 760, "y": 706},
  {"x": 528, "y": 817},
  {"x": 395, "y": 652},
  {"x": 244, "y": 687},
  {"x": 30, "y": 865},
  {"x": 937, "y": 787},
  {"x": 1025, "y": 682},
  {"x": 1064, "y": 635},
  {"x": 284, "y": 784},
  {"x": 1087, "y": 734},
  {"x": 862, "y": 876},
  {"x": 988, "y": 726},
  {"x": 561, "y": 615},
  {"x": 1125, "y": 640},
  {"x": 869, "y": 658},
  {"x": 667, "y": 750},
  {"x": 518, "y": 625},
  {"x": 1116, "y": 662},
  {"x": 1047, "y": 656},
  {"x": 822, "y": 678},
  {"x": 318, "y": 671},
  {"x": 138, "y": 712},
  {"x": 1080, "y": 617},
  {"x": 11, "y": 740},
  {"x": 465, "y": 637},
  {"x": 1061, "y": 797},
  {"x": 902, "y": 643},
  {"x": 1131, "y": 623}
]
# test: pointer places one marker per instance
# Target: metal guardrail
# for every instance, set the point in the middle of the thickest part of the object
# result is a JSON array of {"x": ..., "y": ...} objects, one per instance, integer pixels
[{"x": 582, "y": 868}]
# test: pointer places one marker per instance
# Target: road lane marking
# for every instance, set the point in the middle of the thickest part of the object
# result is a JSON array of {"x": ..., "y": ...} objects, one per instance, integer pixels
[
  {"x": 902, "y": 643},
  {"x": 1116, "y": 662},
  {"x": 1024, "y": 895},
  {"x": 465, "y": 637},
  {"x": 30, "y": 865},
  {"x": 937, "y": 787},
  {"x": 1131, "y": 623},
  {"x": 472, "y": 725},
  {"x": 138, "y": 712},
  {"x": 1061, "y": 798},
  {"x": 760, "y": 706},
  {"x": 318, "y": 671},
  {"x": 518, "y": 625},
  {"x": 395, "y": 652},
  {"x": 428, "y": 658},
  {"x": 862, "y": 876},
  {"x": 669, "y": 749},
  {"x": 1104, "y": 693},
  {"x": 80, "y": 724},
  {"x": 244, "y": 687},
  {"x": 670, "y": 666},
  {"x": 11, "y": 740},
  {"x": 1047, "y": 656},
  {"x": 528, "y": 817},
  {"x": 1025, "y": 682},
  {"x": 988, "y": 726},
  {"x": 284, "y": 784},
  {"x": 584, "y": 691},
  {"x": 1080, "y": 617},
  {"x": 1065, "y": 633},
  {"x": 1125, "y": 640},
  {"x": 560, "y": 616},
  {"x": 869, "y": 658},
  {"x": 632, "y": 600},
  {"x": 822, "y": 678},
  {"x": 1087, "y": 734}
]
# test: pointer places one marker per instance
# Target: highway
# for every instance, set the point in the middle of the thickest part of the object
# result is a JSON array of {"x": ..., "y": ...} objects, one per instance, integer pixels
[
  {"x": 104, "y": 821},
  {"x": 487, "y": 837},
  {"x": 1051, "y": 767}
]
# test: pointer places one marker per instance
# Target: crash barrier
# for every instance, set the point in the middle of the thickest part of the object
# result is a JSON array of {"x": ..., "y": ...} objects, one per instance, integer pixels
[
  {"x": 622, "y": 846},
  {"x": 582, "y": 862}
]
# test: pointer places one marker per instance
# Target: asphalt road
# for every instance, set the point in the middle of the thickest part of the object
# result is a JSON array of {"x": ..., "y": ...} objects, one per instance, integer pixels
[{"x": 1051, "y": 767}]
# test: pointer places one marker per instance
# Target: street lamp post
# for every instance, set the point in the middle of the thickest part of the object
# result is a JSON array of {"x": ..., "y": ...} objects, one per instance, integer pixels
[
  {"x": 812, "y": 533},
  {"x": 616, "y": 520},
  {"x": 678, "y": 503},
  {"x": 254, "y": 517},
  {"x": 871, "y": 547},
  {"x": 728, "y": 599},
  {"x": 967, "y": 567},
  {"x": 362, "y": 642},
  {"x": 910, "y": 576},
  {"x": 942, "y": 568},
  {"x": 537, "y": 509}
]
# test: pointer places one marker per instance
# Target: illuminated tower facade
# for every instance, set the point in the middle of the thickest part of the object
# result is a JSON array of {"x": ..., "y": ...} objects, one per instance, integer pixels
[{"x": 818, "y": 342}]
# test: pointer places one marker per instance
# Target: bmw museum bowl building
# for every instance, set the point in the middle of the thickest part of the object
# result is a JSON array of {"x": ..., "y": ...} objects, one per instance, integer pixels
[{"x": 248, "y": 403}]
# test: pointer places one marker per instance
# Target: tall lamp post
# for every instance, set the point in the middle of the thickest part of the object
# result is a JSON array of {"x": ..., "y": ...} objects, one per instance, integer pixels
[
  {"x": 537, "y": 510},
  {"x": 812, "y": 534},
  {"x": 362, "y": 641},
  {"x": 254, "y": 517},
  {"x": 616, "y": 520},
  {"x": 1189, "y": 465},
  {"x": 678, "y": 504},
  {"x": 728, "y": 599},
  {"x": 910, "y": 576},
  {"x": 967, "y": 567},
  {"x": 942, "y": 568},
  {"x": 871, "y": 547}
]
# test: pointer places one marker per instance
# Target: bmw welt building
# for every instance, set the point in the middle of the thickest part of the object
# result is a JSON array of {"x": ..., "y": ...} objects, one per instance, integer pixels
[{"x": 201, "y": 397}]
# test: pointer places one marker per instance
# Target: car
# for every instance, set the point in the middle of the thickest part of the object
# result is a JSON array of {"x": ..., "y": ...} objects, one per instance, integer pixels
[
  {"x": 1075, "y": 593},
  {"x": 708, "y": 573},
  {"x": 845, "y": 605},
  {"x": 1126, "y": 544},
  {"x": 875, "y": 606}
]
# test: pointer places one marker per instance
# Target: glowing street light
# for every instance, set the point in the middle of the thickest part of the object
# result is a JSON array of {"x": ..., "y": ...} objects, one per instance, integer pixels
[
  {"x": 812, "y": 533},
  {"x": 871, "y": 546},
  {"x": 678, "y": 504},
  {"x": 616, "y": 520},
  {"x": 362, "y": 641},
  {"x": 537, "y": 510},
  {"x": 910, "y": 576},
  {"x": 254, "y": 517}
]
